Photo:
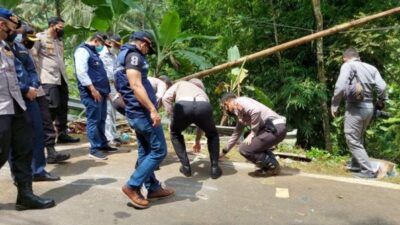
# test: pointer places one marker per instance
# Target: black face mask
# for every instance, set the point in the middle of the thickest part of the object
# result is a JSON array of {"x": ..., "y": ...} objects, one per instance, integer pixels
[
  {"x": 11, "y": 37},
  {"x": 60, "y": 33},
  {"x": 28, "y": 44}
]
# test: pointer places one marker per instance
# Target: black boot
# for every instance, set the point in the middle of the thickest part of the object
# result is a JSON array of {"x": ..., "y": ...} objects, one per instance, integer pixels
[
  {"x": 63, "y": 137},
  {"x": 27, "y": 200},
  {"x": 216, "y": 171},
  {"x": 55, "y": 157},
  {"x": 186, "y": 170},
  {"x": 268, "y": 164}
]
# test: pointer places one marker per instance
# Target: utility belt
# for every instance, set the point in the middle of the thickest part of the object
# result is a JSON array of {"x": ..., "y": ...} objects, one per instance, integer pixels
[{"x": 192, "y": 99}]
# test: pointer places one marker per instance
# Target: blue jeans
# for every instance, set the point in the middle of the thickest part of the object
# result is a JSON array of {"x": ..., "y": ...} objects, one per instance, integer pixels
[
  {"x": 96, "y": 114},
  {"x": 152, "y": 149},
  {"x": 38, "y": 157}
]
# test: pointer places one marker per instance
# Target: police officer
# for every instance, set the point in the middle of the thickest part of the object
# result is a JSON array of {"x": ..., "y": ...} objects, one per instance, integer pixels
[
  {"x": 28, "y": 39},
  {"x": 15, "y": 131},
  {"x": 49, "y": 53},
  {"x": 29, "y": 83},
  {"x": 267, "y": 130},
  {"x": 192, "y": 106},
  {"x": 94, "y": 90},
  {"x": 109, "y": 56},
  {"x": 142, "y": 115},
  {"x": 358, "y": 113}
]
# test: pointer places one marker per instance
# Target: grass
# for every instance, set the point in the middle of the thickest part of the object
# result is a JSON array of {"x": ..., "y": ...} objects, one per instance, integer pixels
[{"x": 322, "y": 162}]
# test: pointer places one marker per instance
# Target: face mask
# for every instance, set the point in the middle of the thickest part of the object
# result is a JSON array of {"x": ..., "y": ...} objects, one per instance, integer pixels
[
  {"x": 99, "y": 48},
  {"x": 18, "y": 38},
  {"x": 11, "y": 37},
  {"x": 60, "y": 33},
  {"x": 28, "y": 44}
]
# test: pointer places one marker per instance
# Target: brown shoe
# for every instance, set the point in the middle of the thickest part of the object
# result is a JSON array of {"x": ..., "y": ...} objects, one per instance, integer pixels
[
  {"x": 160, "y": 194},
  {"x": 136, "y": 197}
]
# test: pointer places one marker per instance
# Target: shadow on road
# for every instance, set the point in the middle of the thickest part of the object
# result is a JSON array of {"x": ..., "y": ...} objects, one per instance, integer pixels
[
  {"x": 75, "y": 168},
  {"x": 77, "y": 187}
]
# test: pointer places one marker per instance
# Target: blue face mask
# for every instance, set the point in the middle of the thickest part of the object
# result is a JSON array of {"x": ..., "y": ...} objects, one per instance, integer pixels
[
  {"x": 99, "y": 48},
  {"x": 18, "y": 38}
]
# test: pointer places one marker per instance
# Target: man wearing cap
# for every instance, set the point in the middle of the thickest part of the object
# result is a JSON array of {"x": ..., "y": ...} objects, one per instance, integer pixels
[
  {"x": 192, "y": 106},
  {"x": 109, "y": 56},
  {"x": 49, "y": 53},
  {"x": 29, "y": 84},
  {"x": 142, "y": 115},
  {"x": 267, "y": 130},
  {"x": 16, "y": 134},
  {"x": 94, "y": 90}
]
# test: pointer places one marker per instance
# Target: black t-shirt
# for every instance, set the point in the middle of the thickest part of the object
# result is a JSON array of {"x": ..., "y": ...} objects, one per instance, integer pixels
[{"x": 134, "y": 61}]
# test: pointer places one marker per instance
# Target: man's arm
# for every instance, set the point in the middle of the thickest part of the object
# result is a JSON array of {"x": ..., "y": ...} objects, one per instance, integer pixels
[
  {"x": 381, "y": 87},
  {"x": 234, "y": 138},
  {"x": 340, "y": 87},
  {"x": 81, "y": 67},
  {"x": 135, "y": 82},
  {"x": 197, "y": 145}
]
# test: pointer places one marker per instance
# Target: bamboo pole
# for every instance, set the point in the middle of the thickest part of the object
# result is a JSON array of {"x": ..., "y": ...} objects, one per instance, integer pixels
[{"x": 291, "y": 44}]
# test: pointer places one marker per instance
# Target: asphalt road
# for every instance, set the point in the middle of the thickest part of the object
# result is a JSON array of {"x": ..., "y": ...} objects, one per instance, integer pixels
[{"x": 90, "y": 194}]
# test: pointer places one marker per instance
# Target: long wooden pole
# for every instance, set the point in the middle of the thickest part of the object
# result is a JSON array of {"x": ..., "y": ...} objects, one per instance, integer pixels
[{"x": 291, "y": 44}]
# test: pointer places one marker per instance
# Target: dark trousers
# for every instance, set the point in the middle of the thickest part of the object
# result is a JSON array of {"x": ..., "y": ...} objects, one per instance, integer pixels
[
  {"x": 38, "y": 157},
  {"x": 201, "y": 114},
  {"x": 262, "y": 142},
  {"x": 96, "y": 114},
  {"x": 16, "y": 136},
  {"x": 48, "y": 127},
  {"x": 57, "y": 97}
]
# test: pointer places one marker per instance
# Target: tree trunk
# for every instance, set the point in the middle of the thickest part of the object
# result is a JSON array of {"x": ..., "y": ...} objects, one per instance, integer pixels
[
  {"x": 321, "y": 75},
  {"x": 278, "y": 54},
  {"x": 291, "y": 44},
  {"x": 58, "y": 8}
]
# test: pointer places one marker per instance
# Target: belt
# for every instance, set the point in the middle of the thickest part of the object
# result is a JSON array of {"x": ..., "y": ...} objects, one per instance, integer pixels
[
  {"x": 192, "y": 99},
  {"x": 279, "y": 121}
]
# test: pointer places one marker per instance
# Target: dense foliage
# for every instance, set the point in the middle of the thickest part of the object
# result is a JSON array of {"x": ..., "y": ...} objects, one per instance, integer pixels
[{"x": 288, "y": 80}]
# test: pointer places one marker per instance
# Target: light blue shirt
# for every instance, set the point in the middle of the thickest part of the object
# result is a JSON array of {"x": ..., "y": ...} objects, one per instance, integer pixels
[{"x": 81, "y": 57}]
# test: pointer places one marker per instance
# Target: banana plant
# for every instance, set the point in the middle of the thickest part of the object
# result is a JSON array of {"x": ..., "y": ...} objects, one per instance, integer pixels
[
  {"x": 237, "y": 77},
  {"x": 173, "y": 44}
]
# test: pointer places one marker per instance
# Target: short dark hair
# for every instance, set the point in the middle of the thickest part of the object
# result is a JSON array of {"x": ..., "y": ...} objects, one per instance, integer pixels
[
  {"x": 227, "y": 97},
  {"x": 351, "y": 53},
  {"x": 99, "y": 36},
  {"x": 54, "y": 20}
]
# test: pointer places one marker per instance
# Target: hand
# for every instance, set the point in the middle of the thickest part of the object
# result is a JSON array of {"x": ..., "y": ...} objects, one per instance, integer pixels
[
  {"x": 109, "y": 97},
  {"x": 222, "y": 156},
  {"x": 31, "y": 94},
  {"x": 196, "y": 147},
  {"x": 155, "y": 117},
  {"x": 96, "y": 95},
  {"x": 249, "y": 138}
]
